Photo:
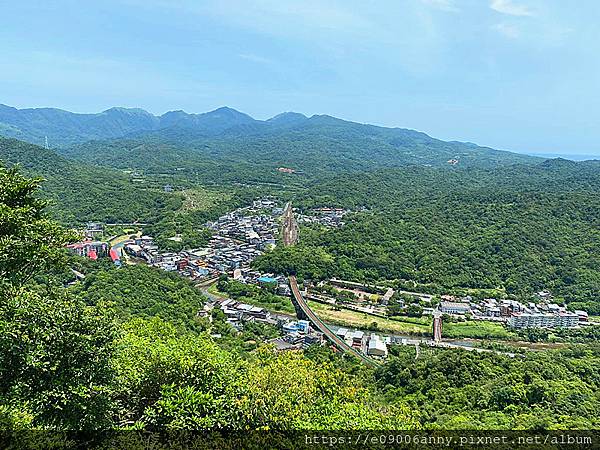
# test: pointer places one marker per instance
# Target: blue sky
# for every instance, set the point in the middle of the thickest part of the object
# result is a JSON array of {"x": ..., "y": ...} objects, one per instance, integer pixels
[{"x": 520, "y": 75}]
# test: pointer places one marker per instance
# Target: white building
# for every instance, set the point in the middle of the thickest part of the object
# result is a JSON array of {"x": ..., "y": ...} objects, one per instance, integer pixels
[
  {"x": 341, "y": 332},
  {"x": 376, "y": 346},
  {"x": 454, "y": 307},
  {"x": 534, "y": 320}
]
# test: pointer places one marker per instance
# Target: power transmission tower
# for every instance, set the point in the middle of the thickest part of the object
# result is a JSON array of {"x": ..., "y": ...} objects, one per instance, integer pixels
[{"x": 46, "y": 145}]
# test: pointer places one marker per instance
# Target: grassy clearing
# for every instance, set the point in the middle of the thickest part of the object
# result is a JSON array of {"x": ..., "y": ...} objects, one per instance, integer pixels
[
  {"x": 274, "y": 303},
  {"x": 201, "y": 199},
  {"x": 412, "y": 325},
  {"x": 212, "y": 289},
  {"x": 478, "y": 330},
  {"x": 361, "y": 320}
]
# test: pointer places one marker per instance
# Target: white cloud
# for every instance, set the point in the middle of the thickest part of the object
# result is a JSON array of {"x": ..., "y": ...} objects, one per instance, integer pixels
[
  {"x": 510, "y": 8},
  {"x": 507, "y": 30},
  {"x": 444, "y": 5}
]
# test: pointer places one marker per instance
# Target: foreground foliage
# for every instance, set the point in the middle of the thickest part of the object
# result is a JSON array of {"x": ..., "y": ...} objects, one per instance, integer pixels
[
  {"x": 67, "y": 363},
  {"x": 556, "y": 389},
  {"x": 124, "y": 349}
]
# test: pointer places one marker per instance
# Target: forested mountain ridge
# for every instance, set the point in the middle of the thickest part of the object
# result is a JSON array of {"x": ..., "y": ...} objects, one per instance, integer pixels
[
  {"x": 64, "y": 127},
  {"x": 325, "y": 144},
  {"x": 80, "y": 192},
  {"x": 319, "y": 143}
]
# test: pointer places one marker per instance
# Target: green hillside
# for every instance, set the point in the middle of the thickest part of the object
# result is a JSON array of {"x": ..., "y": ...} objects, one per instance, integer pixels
[
  {"x": 124, "y": 349},
  {"x": 80, "y": 192},
  {"x": 314, "y": 146},
  {"x": 520, "y": 230}
]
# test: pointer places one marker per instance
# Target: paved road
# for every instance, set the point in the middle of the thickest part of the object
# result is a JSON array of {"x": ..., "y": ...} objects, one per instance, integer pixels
[{"x": 290, "y": 237}]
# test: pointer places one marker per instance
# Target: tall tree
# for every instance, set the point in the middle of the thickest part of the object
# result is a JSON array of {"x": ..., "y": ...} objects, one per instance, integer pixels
[
  {"x": 55, "y": 351},
  {"x": 29, "y": 240}
]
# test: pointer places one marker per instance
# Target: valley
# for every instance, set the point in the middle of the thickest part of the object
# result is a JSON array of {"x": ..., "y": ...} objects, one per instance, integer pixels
[{"x": 382, "y": 245}]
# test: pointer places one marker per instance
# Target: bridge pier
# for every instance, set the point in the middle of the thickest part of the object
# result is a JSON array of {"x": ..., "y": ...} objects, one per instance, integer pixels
[{"x": 300, "y": 314}]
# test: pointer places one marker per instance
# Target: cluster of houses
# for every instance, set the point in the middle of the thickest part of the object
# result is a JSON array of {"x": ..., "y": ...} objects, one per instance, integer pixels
[
  {"x": 257, "y": 229},
  {"x": 295, "y": 334},
  {"x": 237, "y": 313},
  {"x": 329, "y": 217},
  {"x": 89, "y": 248},
  {"x": 299, "y": 334},
  {"x": 544, "y": 314},
  {"x": 225, "y": 254},
  {"x": 239, "y": 237}
]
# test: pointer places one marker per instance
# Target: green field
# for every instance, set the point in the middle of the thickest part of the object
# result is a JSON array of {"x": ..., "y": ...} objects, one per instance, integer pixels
[
  {"x": 477, "y": 330},
  {"x": 201, "y": 199},
  {"x": 281, "y": 304},
  {"x": 361, "y": 320},
  {"x": 420, "y": 326}
]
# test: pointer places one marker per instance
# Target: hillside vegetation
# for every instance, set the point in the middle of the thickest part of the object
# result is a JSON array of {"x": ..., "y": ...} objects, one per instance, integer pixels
[
  {"x": 520, "y": 230},
  {"x": 74, "y": 360},
  {"x": 80, "y": 192},
  {"x": 124, "y": 350}
]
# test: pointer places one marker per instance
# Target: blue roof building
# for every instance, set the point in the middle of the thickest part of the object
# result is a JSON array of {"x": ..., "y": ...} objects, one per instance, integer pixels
[{"x": 267, "y": 280}]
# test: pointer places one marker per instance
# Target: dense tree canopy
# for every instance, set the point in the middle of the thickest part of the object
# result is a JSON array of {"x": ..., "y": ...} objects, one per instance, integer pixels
[
  {"x": 458, "y": 389},
  {"x": 141, "y": 291},
  {"x": 29, "y": 241},
  {"x": 54, "y": 350},
  {"x": 520, "y": 233},
  {"x": 124, "y": 348}
]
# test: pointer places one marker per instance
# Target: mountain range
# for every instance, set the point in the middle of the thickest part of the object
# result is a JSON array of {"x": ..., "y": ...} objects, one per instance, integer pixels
[
  {"x": 65, "y": 128},
  {"x": 226, "y": 147},
  {"x": 125, "y": 137}
]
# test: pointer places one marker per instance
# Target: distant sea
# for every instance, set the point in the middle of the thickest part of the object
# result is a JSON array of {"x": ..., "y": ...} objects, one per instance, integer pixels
[{"x": 572, "y": 157}]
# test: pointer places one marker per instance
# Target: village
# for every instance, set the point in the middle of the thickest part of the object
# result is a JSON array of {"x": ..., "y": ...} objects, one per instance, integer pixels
[
  {"x": 383, "y": 301},
  {"x": 242, "y": 235},
  {"x": 238, "y": 238}
]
